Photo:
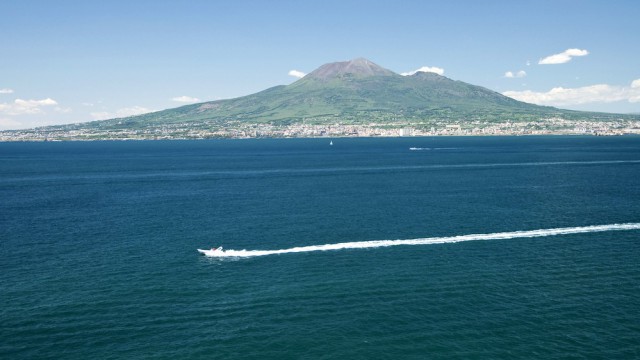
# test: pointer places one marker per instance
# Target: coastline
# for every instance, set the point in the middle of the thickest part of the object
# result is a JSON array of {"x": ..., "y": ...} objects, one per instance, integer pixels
[{"x": 77, "y": 132}]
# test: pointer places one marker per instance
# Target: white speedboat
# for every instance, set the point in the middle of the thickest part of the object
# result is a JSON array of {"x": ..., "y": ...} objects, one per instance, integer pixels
[{"x": 212, "y": 251}]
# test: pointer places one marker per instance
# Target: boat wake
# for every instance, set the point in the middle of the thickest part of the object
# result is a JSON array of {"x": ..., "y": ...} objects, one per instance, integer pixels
[
  {"x": 429, "y": 149},
  {"x": 426, "y": 241}
]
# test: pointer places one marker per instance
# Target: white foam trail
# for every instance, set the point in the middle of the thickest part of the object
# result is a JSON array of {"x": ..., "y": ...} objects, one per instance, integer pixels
[{"x": 428, "y": 241}]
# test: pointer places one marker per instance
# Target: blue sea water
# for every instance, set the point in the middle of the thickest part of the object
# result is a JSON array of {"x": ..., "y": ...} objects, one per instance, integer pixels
[{"x": 98, "y": 249}]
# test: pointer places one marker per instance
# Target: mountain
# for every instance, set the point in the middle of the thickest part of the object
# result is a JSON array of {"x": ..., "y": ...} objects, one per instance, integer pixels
[{"x": 356, "y": 92}]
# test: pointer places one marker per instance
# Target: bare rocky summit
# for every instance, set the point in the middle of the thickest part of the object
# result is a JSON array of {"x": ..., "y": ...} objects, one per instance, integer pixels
[{"x": 359, "y": 67}]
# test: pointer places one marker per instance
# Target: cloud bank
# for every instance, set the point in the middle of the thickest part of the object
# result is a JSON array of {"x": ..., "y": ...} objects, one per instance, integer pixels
[
  {"x": 297, "y": 74},
  {"x": 185, "y": 99},
  {"x": 600, "y": 93},
  {"x": 6, "y": 91},
  {"x": 26, "y": 107},
  {"x": 563, "y": 57},
  {"x": 433, "y": 69}
]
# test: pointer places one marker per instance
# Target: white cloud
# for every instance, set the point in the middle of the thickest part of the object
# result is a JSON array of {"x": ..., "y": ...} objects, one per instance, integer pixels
[
  {"x": 6, "y": 91},
  {"x": 26, "y": 107},
  {"x": 528, "y": 63},
  {"x": 121, "y": 113},
  {"x": 185, "y": 99},
  {"x": 563, "y": 57},
  {"x": 519, "y": 74},
  {"x": 635, "y": 91},
  {"x": 600, "y": 93},
  {"x": 297, "y": 74},
  {"x": 432, "y": 69}
]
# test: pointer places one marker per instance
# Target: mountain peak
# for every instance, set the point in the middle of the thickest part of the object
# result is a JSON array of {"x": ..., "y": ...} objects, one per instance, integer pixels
[
  {"x": 359, "y": 67},
  {"x": 425, "y": 75}
]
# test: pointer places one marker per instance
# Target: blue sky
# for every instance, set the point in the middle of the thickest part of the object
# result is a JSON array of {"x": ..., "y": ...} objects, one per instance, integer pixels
[{"x": 72, "y": 61}]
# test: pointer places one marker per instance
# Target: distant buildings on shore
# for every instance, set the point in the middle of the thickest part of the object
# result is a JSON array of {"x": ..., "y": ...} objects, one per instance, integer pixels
[{"x": 552, "y": 126}]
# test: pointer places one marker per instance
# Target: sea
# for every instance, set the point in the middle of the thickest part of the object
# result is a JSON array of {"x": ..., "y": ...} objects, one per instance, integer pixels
[{"x": 370, "y": 248}]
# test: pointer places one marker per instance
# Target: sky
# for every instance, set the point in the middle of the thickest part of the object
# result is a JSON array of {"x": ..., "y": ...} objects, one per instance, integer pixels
[{"x": 74, "y": 61}]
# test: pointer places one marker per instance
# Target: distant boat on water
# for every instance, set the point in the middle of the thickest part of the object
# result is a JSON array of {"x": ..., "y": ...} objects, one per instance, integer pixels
[{"x": 331, "y": 142}]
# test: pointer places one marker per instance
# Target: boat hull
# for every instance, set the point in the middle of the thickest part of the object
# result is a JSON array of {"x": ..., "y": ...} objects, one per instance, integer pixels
[{"x": 212, "y": 253}]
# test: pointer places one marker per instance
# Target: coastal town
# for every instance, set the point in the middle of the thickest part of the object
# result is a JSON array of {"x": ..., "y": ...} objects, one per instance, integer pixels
[{"x": 243, "y": 130}]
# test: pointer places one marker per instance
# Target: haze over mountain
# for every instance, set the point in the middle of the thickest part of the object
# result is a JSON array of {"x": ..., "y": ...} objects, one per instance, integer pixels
[{"x": 348, "y": 92}]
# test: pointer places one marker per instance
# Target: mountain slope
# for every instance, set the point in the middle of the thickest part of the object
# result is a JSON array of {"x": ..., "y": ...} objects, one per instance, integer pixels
[{"x": 348, "y": 90}]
